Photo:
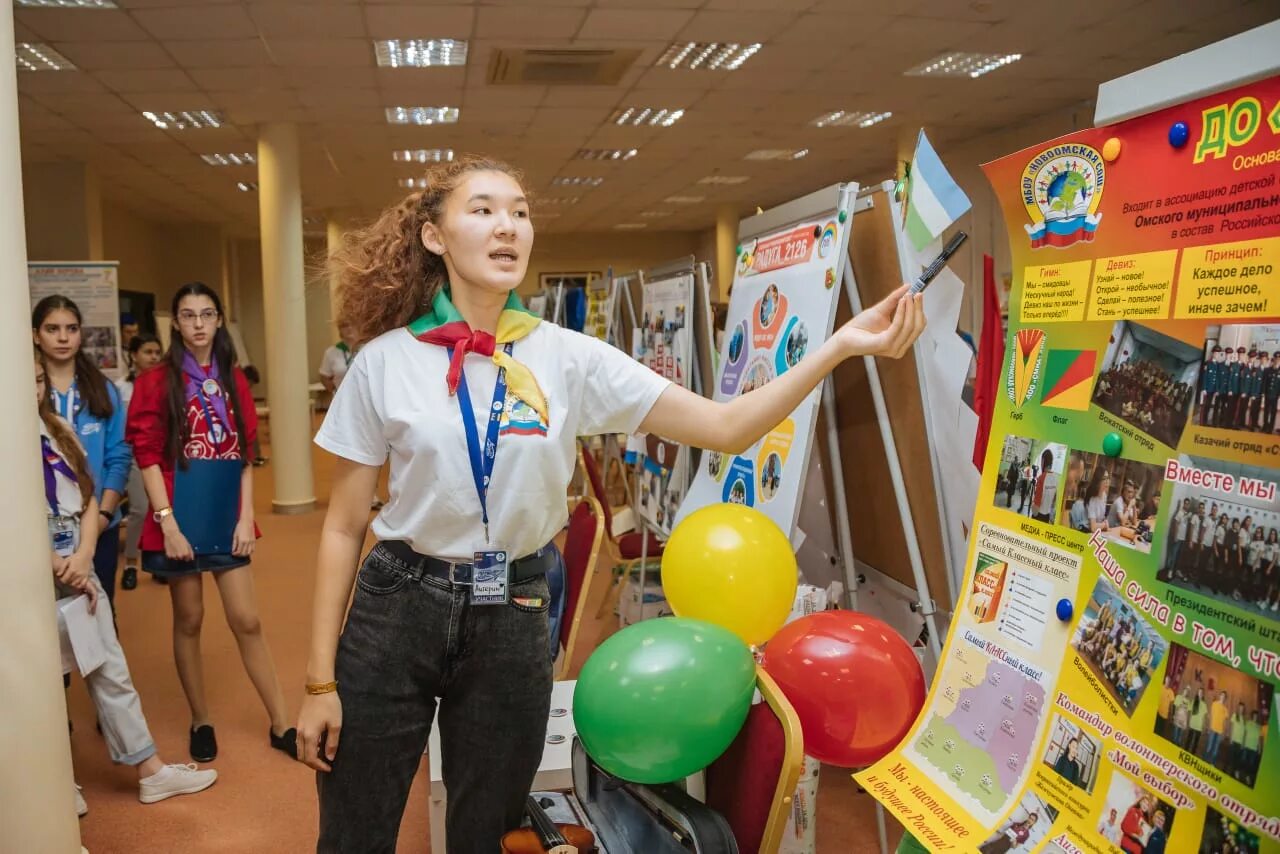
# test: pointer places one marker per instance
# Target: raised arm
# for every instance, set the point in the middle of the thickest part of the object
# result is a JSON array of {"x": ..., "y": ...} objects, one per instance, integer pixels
[{"x": 888, "y": 328}]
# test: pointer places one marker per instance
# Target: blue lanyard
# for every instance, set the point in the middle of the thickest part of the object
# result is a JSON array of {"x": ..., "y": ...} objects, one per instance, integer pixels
[
  {"x": 67, "y": 404},
  {"x": 482, "y": 459},
  {"x": 208, "y": 416}
]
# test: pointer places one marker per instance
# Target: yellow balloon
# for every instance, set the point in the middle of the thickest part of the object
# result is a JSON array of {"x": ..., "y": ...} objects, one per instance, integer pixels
[{"x": 731, "y": 565}]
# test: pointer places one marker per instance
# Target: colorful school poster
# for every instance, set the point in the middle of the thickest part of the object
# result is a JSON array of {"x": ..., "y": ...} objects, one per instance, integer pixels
[
  {"x": 1108, "y": 682},
  {"x": 786, "y": 284},
  {"x": 94, "y": 287},
  {"x": 600, "y": 293}
]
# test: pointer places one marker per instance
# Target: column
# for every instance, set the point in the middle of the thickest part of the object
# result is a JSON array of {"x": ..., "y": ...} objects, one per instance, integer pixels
[
  {"x": 36, "y": 807},
  {"x": 62, "y": 212},
  {"x": 334, "y": 232},
  {"x": 726, "y": 248},
  {"x": 285, "y": 316}
]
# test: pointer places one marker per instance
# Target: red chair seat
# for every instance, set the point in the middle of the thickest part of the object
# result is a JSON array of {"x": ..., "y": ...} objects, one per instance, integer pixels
[{"x": 631, "y": 544}]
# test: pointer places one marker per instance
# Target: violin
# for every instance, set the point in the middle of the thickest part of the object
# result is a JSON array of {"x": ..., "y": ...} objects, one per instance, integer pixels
[{"x": 546, "y": 836}]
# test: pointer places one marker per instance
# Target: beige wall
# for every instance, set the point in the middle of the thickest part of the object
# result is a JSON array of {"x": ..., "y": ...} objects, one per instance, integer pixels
[{"x": 62, "y": 208}]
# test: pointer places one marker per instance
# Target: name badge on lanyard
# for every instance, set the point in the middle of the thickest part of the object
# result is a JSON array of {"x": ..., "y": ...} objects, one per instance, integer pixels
[{"x": 490, "y": 571}]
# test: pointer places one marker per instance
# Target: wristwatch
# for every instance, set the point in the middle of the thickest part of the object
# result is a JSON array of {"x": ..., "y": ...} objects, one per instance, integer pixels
[{"x": 159, "y": 515}]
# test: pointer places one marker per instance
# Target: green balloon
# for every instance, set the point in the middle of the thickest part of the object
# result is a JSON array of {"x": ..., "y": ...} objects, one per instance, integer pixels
[
  {"x": 1112, "y": 444},
  {"x": 663, "y": 698}
]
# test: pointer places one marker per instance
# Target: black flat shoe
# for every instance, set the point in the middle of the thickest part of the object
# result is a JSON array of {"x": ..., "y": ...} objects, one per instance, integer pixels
[
  {"x": 129, "y": 578},
  {"x": 286, "y": 742},
  {"x": 204, "y": 744}
]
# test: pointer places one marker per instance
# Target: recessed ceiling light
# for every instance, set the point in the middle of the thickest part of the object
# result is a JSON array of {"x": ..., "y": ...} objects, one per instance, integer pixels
[
  {"x": 654, "y": 214},
  {"x": 577, "y": 181},
  {"x": 962, "y": 64},
  {"x": 185, "y": 119},
  {"x": 423, "y": 155},
  {"x": 724, "y": 179},
  {"x": 547, "y": 214},
  {"x": 246, "y": 186},
  {"x": 413, "y": 183},
  {"x": 709, "y": 56},
  {"x": 641, "y": 116},
  {"x": 845, "y": 119},
  {"x": 244, "y": 159},
  {"x": 631, "y": 226},
  {"x": 41, "y": 57},
  {"x": 420, "y": 53},
  {"x": 777, "y": 154},
  {"x": 68, "y": 4},
  {"x": 605, "y": 154},
  {"x": 685, "y": 200},
  {"x": 422, "y": 115},
  {"x": 542, "y": 201}
]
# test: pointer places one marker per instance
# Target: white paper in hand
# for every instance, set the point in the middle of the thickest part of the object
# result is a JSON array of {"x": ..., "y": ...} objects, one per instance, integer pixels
[{"x": 85, "y": 631}]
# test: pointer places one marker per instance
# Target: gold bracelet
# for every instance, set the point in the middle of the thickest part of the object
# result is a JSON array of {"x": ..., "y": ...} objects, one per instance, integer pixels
[{"x": 322, "y": 687}]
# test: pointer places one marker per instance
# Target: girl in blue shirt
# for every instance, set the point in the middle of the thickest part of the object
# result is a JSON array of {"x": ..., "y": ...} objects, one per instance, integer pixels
[{"x": 80, "y": 394}]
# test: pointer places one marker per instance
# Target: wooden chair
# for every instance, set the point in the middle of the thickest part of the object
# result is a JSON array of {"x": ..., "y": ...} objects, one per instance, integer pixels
[
  {"x": 753, "y": 783},
  {"x": 624, "y": 550},
  {"x": 581, "y": 550}
]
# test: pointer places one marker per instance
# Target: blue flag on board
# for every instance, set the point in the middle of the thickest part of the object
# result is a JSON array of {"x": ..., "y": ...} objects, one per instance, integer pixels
[{"x": 934, "y": 199}]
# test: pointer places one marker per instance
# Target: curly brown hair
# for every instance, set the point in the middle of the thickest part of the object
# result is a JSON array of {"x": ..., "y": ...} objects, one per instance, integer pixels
[{"x": 385, "y": 276}]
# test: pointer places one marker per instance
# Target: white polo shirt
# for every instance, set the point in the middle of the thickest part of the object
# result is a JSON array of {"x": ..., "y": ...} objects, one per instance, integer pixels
[
  {"x": 394, "y": 402},
  {"x": 334, "y": 364}
]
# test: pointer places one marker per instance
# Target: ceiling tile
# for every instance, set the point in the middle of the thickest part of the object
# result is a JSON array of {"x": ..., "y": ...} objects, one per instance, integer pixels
[
  {"x": 498, "y": 22},
  {"x": 93, "y": 25},
  {"x": 61, "y": 81},
  {"x": 91, "y": 56},
  {"x": 633, "y": 24},
  {"x": 213, "y": 22},
  {"x": 419, "y": 22},
  {"x": 224, "y": 79},
  {"x": 322, "y": 53},
  {"x": 850, "y": 30},
  {"x": 146, "y": 80},
  {"x": 172, "y": 101},
  {"x": 303, "y": 20},
  {"x": 228, "y": 53},
  {"x": 734, "y": 27}
]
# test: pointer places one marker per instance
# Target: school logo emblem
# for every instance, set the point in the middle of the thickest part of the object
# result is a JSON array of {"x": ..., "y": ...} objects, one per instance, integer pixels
[
  {"x": 1024, "y": 366},
  {"x": 1061, "y": 190},
  {"x": 520, "y": 419}
]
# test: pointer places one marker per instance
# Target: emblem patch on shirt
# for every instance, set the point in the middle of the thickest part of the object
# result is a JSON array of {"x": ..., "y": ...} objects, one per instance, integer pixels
[{"x": 520, "y": 419}]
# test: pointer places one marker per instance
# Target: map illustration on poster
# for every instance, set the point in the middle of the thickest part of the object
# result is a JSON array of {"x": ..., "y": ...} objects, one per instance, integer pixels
[
  {"x": 1109, "y": 678},
  {"x": 94, "y": 287},
  {"x": 666, "y": 345},
  {"x": 786, "y": 284}
]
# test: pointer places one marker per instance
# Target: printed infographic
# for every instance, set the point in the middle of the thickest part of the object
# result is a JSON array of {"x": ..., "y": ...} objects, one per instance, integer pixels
[{"x": 1108, "y": 683}]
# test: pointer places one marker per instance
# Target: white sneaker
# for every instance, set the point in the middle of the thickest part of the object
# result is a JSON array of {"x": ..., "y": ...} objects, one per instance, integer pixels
[
  {"x": 175, "y": 780},
  {"x": 82, "y": 808}
]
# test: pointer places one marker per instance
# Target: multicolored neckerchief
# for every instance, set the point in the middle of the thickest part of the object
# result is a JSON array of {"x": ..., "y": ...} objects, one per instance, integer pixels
[{"x": 443, "y": 325}]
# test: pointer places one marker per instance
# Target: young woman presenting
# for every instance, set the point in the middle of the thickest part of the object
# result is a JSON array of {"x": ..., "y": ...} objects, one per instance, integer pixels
[
  {"x": 478, "y": 406},
  {"x": 190, "y": 424}
]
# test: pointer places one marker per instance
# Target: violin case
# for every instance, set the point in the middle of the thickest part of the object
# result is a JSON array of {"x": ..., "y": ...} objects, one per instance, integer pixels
[{"x": 635, "y": 818}]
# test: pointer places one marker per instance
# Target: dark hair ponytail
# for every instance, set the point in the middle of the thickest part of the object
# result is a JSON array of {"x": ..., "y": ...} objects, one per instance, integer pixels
[
  {"x": 224, "y": 356},
  {"x": 90, "y": 382}
]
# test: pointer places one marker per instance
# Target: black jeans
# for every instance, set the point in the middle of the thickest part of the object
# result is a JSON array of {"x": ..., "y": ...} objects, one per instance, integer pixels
[
  {"x": 106, "y": 557},
  {"x": 407, "y": 642}
]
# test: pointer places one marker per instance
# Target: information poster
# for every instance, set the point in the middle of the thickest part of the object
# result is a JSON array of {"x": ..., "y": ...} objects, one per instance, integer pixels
[
  {"x": 1109, "y": 679},
  {"x": 666, "y": 346},
  {"x": 783, "y": 303},
  {"x": 599, "y": 308},
  {"x": 94, "y": 288}
]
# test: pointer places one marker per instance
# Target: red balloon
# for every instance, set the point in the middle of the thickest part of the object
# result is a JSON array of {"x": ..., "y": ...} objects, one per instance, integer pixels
[{"x": 856, "y": 685}]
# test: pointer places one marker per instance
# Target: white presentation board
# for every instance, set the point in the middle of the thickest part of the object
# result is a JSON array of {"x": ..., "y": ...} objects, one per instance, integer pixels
[{"x": 787, "y": 280}]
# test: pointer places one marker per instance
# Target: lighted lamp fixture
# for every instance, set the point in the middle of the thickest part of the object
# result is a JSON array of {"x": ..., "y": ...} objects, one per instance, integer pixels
[
  {"x": 40, "y": 57},
  {"x": 962, "y": 64},
  {"x": 708, "y": 56},
  {"x": 777, "y": 154},
  {"x": 67, "y": 4},
  {"x": 184, "y": 119},
  {"x": 684, "y": 200},
  {"x": 422, "y": 115},
  {"x": 605, "y": 154},
  {"x": 577, "y": 181},
  {"x": 244, "y": 159},
  {"x": 423, "y": 155},
  {"x": 246, "y": 186},
  {"x": 846, "y": 119},
  {"x": 413, "y": 183},
  {"x": 724, "y": 180},
  {"x": 630, "y": 226},
  {"x": 654, "y": 214},
  {"x": 420, "y": 53},
  {"x": 543, "y": 201},
  {"x": 646, "y": 116}
]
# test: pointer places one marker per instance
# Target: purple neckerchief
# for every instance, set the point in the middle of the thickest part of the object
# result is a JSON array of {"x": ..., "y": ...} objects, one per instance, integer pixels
[
  {"x": 53, "y": 462},
  {"x": 197, "y": 379}
]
